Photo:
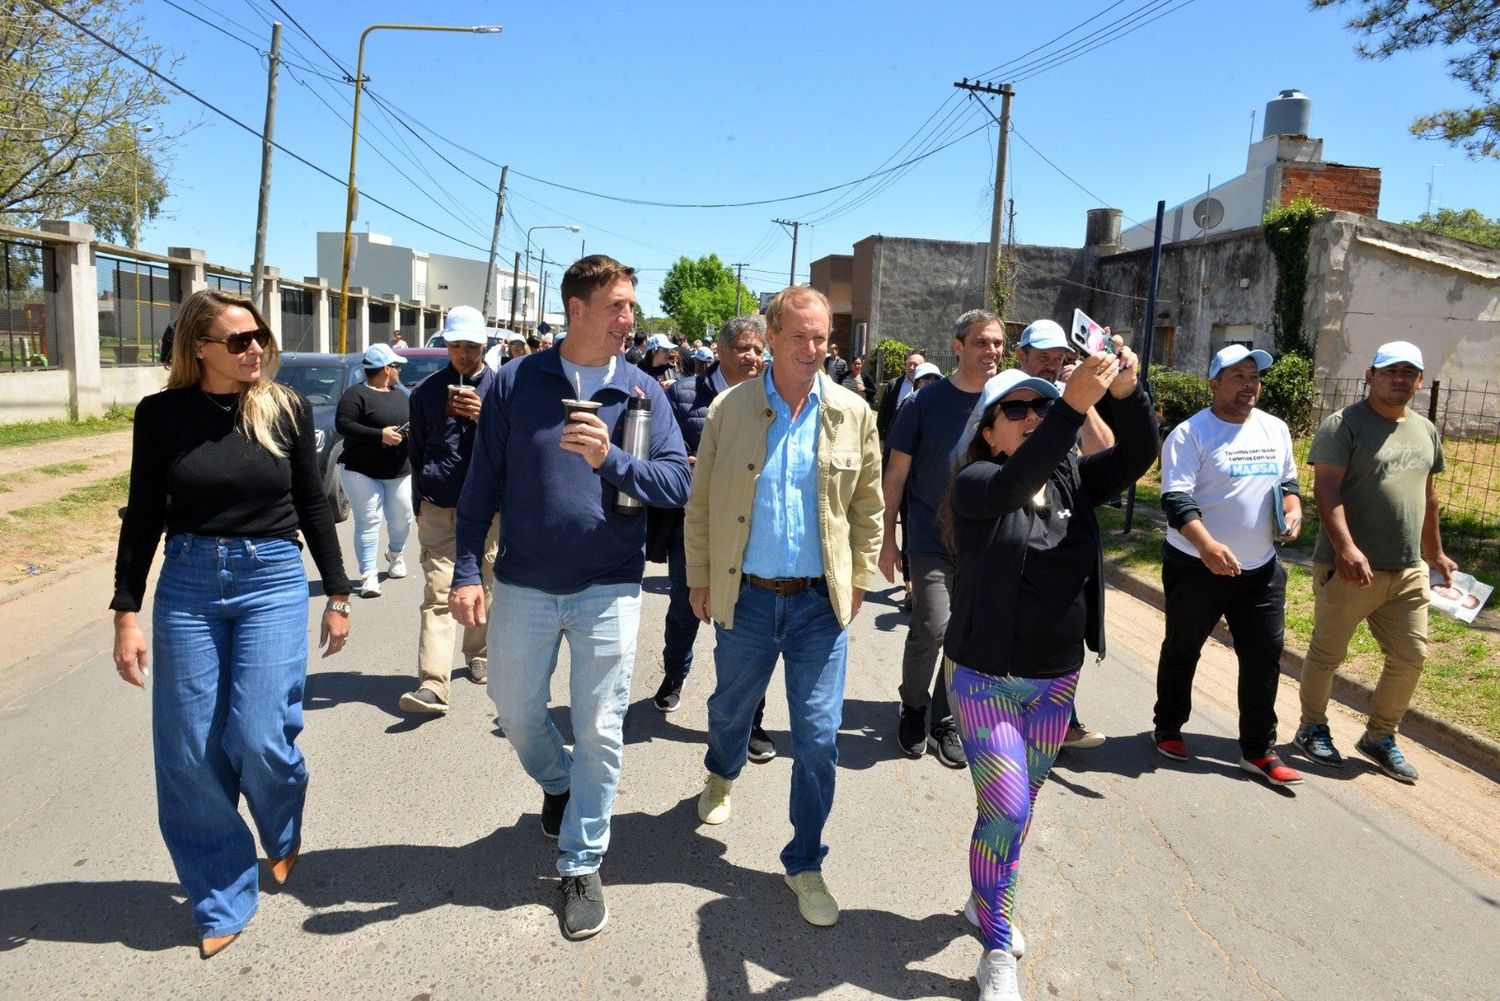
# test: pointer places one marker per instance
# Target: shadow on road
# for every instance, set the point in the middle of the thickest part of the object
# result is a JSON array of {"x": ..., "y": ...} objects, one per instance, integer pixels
[
  {"x": 1134, "y": 755},
  {"x": 329, "y": 689},
  {"x": 139, "y": 914}
]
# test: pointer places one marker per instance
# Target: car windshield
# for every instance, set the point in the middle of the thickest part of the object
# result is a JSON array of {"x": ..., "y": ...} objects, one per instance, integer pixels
[
  {"x": 321, "y": 384},
  {"x": 419, "y": 367}
]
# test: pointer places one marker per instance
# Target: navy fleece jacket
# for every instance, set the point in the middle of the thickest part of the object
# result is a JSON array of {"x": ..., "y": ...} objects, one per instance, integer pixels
[{"x": 558, "y": 529}]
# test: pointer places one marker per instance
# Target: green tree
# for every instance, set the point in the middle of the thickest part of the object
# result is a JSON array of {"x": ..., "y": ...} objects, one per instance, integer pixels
[
  {"x": 1470, "y": 29},
  {"x": 73, "y": 138},
  {"x": 1467, "y": 224},
  {"x": 696, "y": 293}
]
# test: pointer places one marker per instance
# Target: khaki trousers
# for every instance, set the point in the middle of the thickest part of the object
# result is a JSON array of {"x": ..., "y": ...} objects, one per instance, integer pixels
[
  {"x": 437, "y": 533},
  {"x": 1395, "y": 606}
]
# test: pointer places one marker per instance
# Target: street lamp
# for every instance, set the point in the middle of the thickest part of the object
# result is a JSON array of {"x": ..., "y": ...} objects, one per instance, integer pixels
[
  {"x": 570, "y": 229},
  {"x": 135, "y": 190},
  {"x": 359, "y": 81}
]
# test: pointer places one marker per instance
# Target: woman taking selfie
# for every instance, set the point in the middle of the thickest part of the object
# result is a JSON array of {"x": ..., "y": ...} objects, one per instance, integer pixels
[
  {"x": 225, "y": 462},
  {"x": 1028, "y": 595},
  {"x": 375, "y": 466}
]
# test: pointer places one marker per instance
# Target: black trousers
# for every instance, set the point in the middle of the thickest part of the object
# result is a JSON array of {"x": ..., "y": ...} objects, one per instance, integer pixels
[{"x": 1254, "y": 606}]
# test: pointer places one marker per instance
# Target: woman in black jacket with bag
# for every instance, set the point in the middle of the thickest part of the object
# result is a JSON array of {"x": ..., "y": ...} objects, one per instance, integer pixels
[{"x": 1027, "y": 596}]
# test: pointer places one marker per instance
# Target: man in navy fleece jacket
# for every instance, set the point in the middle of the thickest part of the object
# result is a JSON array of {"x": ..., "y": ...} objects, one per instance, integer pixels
[{"x": 569, "y": 567}]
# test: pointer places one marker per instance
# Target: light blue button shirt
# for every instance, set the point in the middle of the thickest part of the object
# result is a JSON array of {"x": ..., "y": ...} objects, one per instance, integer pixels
[{"x": 784, "y": 540}]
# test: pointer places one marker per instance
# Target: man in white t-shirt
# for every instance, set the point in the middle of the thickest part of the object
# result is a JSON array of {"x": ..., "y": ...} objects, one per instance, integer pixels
[{"x": 1226, "y": 473}]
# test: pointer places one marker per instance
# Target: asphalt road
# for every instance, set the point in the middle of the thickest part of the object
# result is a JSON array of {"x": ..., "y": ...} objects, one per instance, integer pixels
[{"x": 425, "y": 873}]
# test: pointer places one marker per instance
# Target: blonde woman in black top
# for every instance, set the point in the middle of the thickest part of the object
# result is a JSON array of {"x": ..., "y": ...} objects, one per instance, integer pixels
[{"x": 225, "y": 462}]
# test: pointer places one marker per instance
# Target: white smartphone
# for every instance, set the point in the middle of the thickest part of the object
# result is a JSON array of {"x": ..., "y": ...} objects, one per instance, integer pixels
[{"x": 1089, "y": 337}]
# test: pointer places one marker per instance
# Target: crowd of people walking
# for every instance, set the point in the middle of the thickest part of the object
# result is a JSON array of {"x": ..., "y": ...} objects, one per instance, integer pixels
[{"x": 778, "y": 487}]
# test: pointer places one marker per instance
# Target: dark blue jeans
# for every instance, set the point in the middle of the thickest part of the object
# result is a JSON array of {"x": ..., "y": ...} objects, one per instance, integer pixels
[
  {"x": 229, "y": 631},
  {"x": 682, "y": 624},
  {"x": 802, "y": 630}
]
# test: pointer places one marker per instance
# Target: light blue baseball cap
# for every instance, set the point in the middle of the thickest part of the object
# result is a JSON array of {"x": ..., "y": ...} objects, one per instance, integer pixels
[
  {"x": 1044, "y": 335},
  {"x": 381, "y": 355},
  {"x": 1233, "y": 355},
  {"x": 998, "y": 388},
  {"x": 1397, "y": 352}
]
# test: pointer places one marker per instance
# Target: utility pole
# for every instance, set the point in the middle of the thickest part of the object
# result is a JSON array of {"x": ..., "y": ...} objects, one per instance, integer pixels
[
  {"x": 738, "y": 288},
  {"x": 489, "y": 274},
  {"x": 515, "y": 280},
  {"x": 1002, "y": 156},
  {"x": 258, "y": 269},
  {"x": 784, "y": 223}
]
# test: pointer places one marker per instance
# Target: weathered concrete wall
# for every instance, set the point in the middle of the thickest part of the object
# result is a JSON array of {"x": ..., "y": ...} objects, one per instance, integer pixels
[
  {"x": 1209, "y": 293},
  {"x": 912, "y": 290},
  {"x": 126, "y": 386},
  {"x": 1370, "y": 282},
  {"x": 33, "y": 396}
]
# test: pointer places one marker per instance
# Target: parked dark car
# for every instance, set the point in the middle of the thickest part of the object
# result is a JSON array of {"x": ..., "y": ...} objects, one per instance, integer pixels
[
  {"x": 420, "y": 363},
  {"x": 323, "y": 378}
]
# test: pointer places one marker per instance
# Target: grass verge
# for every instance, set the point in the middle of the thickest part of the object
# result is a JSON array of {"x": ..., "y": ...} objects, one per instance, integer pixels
[
  {"x": 41, "y": 538},
  {"x": 115, "y": 419},
  {"x": 1461, "y": 682}
]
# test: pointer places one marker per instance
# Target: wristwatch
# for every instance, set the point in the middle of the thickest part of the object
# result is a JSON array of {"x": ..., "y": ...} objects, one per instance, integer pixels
[{"x": 342, "y": 607}]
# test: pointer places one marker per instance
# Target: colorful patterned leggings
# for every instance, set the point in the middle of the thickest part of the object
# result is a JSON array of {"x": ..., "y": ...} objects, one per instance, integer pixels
[{"x": 1012, "y": 729}]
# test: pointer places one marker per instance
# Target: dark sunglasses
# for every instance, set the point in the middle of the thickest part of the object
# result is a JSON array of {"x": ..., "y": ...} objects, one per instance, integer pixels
[
  {"x": 1016, "y": 410},
  {"x": 238, "y": 344}
]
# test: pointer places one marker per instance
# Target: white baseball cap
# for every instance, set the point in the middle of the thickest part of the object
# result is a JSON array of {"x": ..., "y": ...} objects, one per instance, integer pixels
[
  {"x": 1233, "y": 355},
  {"x": 1397, "y": 352},
  {"x": 465, "y": 325},
  {"x": 924, "y": 370}
]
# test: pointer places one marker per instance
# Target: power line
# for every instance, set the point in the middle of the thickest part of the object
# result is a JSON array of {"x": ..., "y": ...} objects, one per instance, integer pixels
[
  {"x": 1064, "y": 173},
  {"x": 1053, "y": 64},
  {"x": 153, "y": 71},
  {"x": 994, "y": 71}
]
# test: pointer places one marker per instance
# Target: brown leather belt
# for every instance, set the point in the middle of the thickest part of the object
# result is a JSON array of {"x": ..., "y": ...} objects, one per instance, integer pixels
[{"x": 782, "y": 586}]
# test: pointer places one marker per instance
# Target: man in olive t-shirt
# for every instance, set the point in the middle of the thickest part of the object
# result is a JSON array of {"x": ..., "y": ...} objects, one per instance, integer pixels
[{"x": 1373, "y": 464}]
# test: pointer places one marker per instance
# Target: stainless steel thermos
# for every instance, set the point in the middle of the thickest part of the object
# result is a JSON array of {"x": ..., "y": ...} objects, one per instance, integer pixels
[{"x": 636, "y": 440}]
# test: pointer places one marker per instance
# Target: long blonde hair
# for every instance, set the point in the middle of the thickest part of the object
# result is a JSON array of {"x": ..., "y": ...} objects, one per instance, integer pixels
[{"x": 267, "y": 410}]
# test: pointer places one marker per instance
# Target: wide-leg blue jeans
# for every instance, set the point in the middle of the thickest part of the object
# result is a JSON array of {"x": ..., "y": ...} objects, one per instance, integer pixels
[
  {"x": 802, "y": 630},
  {"x": 229, "y": 631}
]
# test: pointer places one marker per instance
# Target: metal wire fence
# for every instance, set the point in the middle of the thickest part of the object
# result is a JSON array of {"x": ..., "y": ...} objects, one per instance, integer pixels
[
  {"x": 135, "y": 306},
  {"x": 1467, "y": 416},
  {"x": 28, "y": 300}
]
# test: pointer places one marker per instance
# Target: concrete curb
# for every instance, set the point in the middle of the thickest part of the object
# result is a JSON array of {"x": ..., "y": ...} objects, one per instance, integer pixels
[{"x": 1460, "y": 743}]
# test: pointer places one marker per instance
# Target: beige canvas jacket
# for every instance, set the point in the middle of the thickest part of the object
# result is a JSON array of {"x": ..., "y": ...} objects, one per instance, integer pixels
[{"x": 730, "y": 459}]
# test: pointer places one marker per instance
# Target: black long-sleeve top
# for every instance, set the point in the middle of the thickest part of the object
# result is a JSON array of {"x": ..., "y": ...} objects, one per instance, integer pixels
[
  {"x": 193, "y": 471},
  {"x": 995, "y": 523},
  {"x": 362, "y": 417}
]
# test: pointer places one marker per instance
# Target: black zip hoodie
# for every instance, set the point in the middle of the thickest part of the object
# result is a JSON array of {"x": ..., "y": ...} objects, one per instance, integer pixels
[{"x": 992, "y": 516}]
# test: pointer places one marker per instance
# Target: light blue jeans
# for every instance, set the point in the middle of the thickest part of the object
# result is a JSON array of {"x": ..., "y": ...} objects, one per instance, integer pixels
[
  {"x": 527, "y": 628},
  {"x": 229, "y": 632},
  {"x": 368, "y": 497},
  {"x": 802, "y": 630}
]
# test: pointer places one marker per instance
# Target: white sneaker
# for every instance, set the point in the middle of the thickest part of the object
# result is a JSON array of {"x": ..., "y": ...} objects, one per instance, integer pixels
[
  {"x": 1017, "y": 940},
  {"x": 997, "y": 977},
  {"x": 396, "y": 566},
  {"x": 369, "y": 586}
]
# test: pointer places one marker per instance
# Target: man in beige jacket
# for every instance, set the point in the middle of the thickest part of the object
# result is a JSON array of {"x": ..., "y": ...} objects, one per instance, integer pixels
[{"x": 782, "y": 538}]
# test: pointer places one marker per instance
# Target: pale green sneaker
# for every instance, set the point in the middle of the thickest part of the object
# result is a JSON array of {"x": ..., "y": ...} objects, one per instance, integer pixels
[
  {"x": 813, "y": 899},
  {"x": 713, "y": 804}
]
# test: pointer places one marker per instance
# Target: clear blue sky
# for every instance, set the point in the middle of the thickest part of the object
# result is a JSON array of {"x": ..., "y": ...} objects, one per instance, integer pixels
[{"x": 713, "y": 103}]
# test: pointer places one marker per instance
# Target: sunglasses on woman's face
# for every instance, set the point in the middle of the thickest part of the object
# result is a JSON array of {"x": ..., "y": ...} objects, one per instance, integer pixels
[
  {"x": 1016, "y": 410},
  {"x": 238, "y": 344}
]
